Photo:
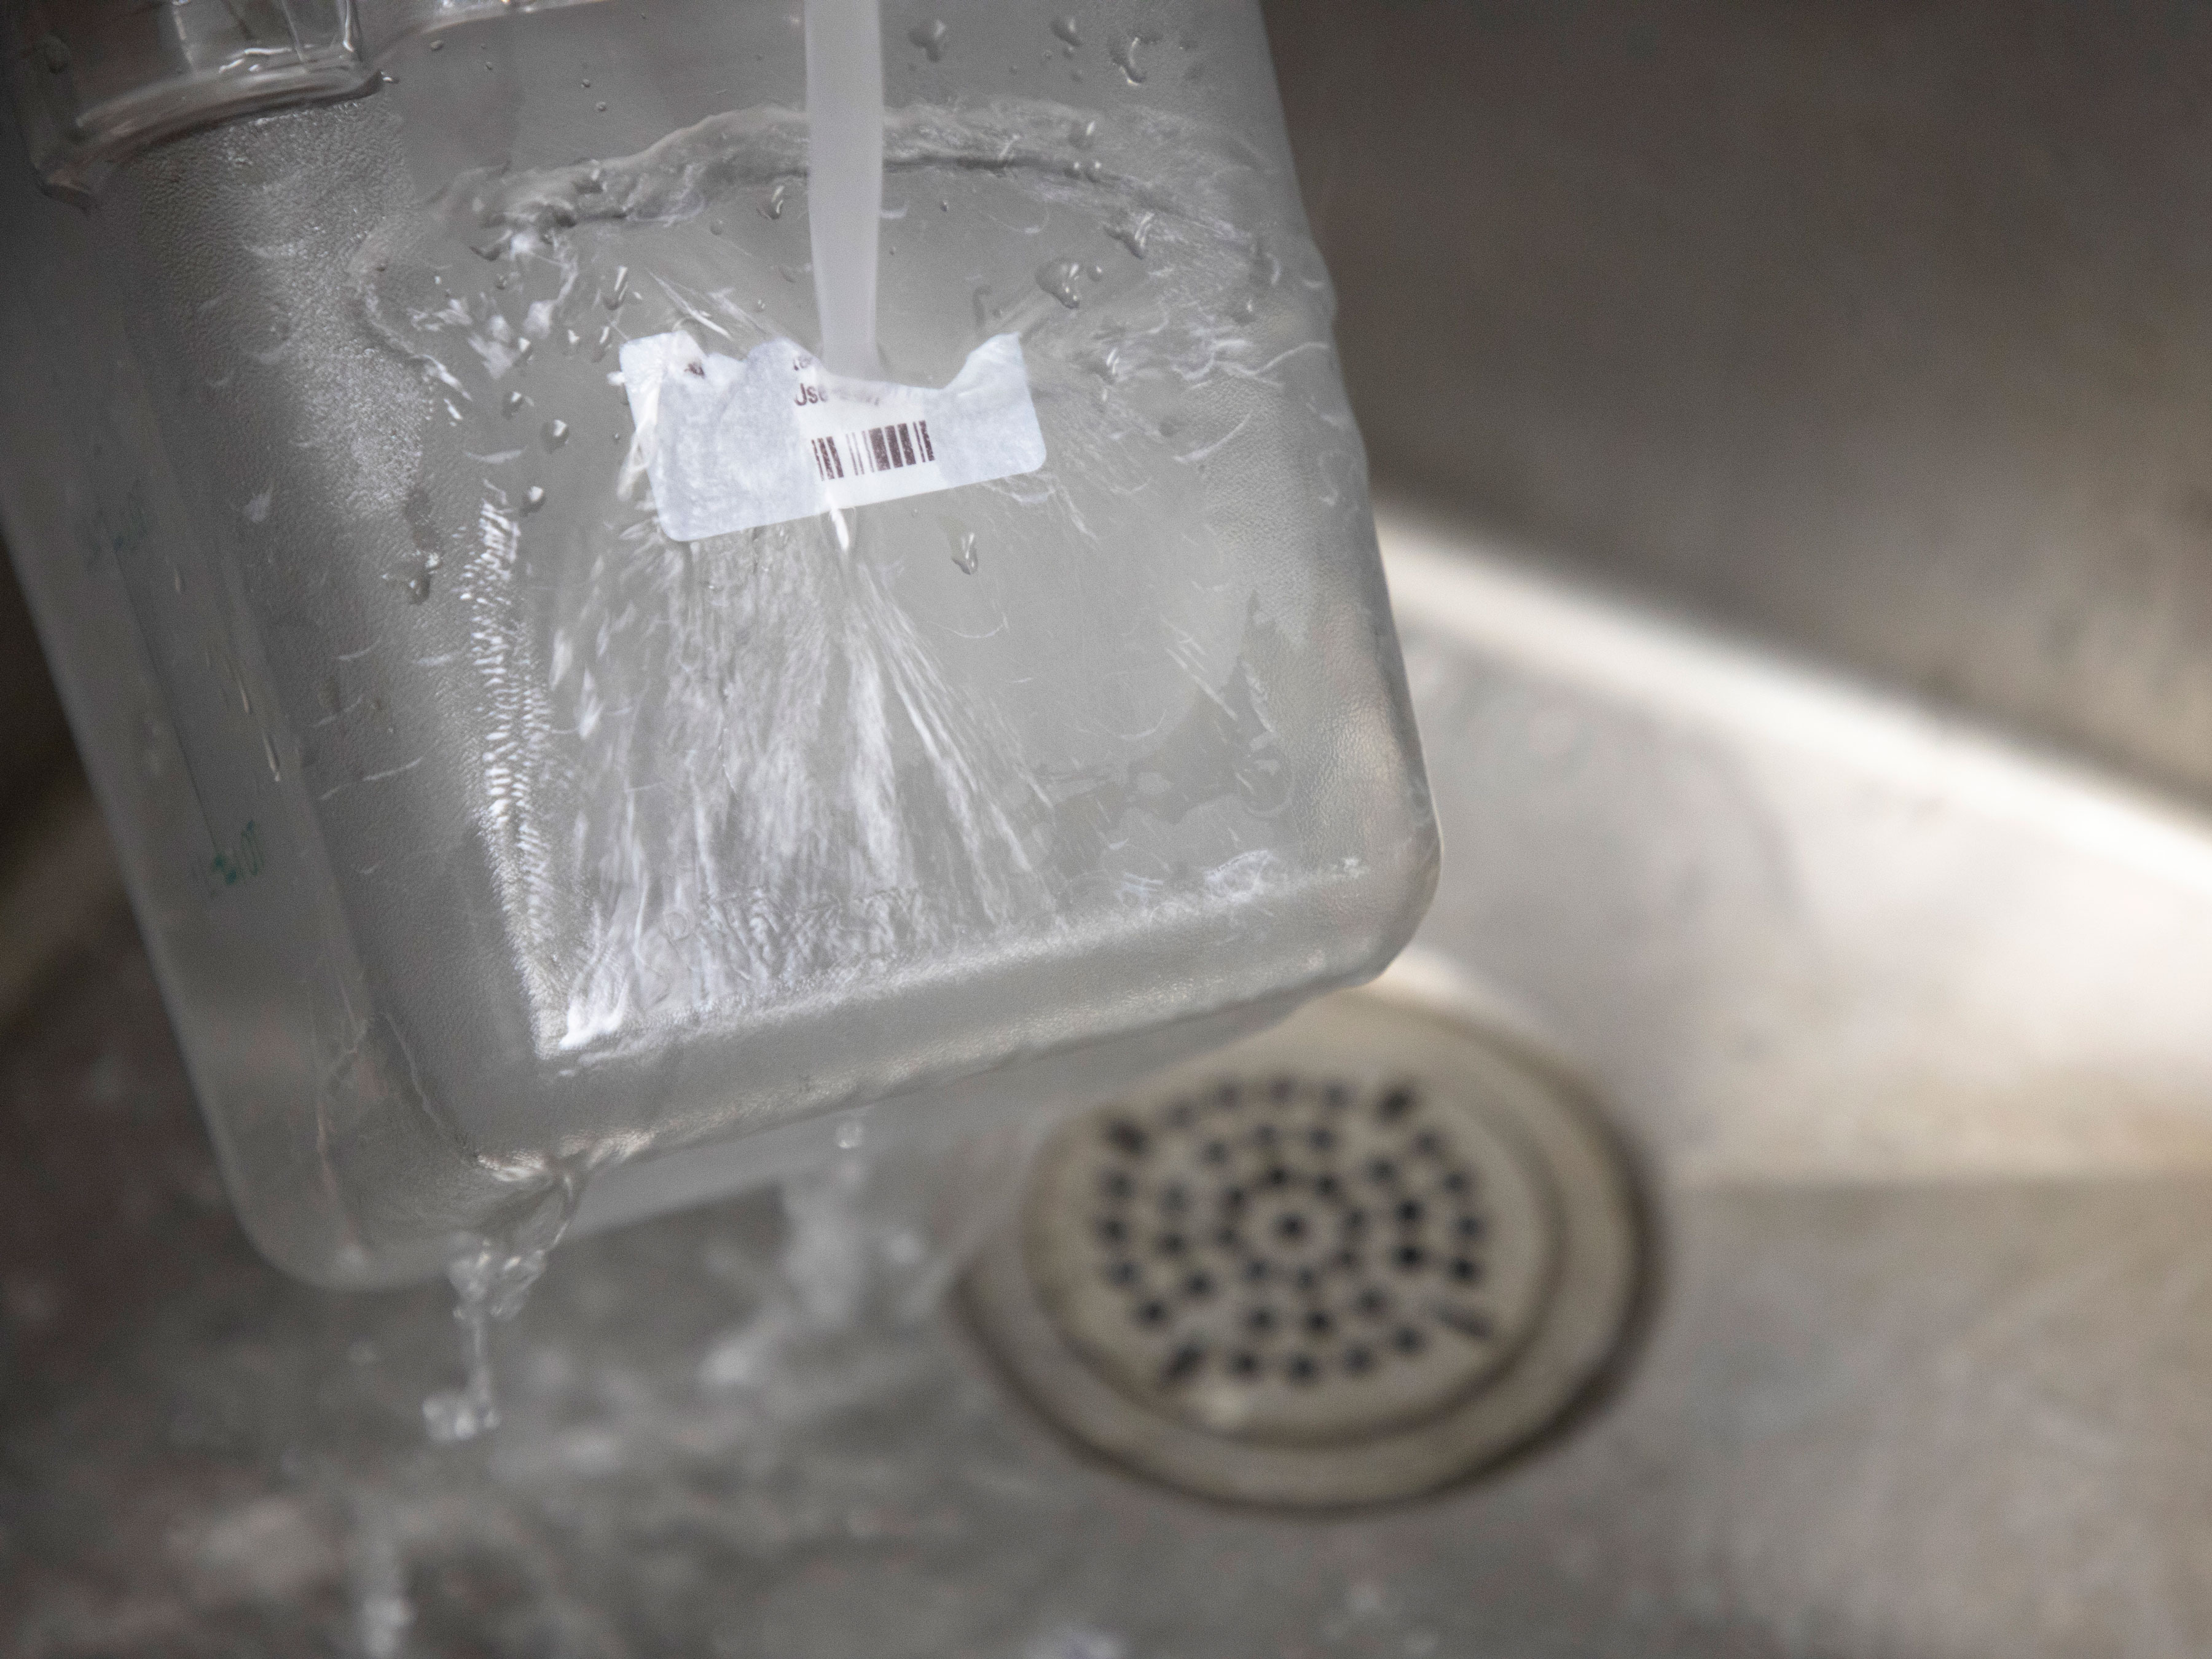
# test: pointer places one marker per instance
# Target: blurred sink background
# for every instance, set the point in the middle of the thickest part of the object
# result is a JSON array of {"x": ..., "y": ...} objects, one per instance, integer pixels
[{"x": 1796, "y": 429}]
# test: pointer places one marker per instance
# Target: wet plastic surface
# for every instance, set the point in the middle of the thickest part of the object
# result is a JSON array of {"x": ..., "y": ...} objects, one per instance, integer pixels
[{"x": 487, "y": 836}]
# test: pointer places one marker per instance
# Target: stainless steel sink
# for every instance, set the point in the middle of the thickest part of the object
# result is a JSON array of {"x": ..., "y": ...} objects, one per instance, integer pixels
[{"x": 1789, "y": 420}]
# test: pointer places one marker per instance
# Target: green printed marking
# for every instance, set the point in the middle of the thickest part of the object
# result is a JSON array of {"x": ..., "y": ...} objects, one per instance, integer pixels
[{"x": 242, "y": 862}]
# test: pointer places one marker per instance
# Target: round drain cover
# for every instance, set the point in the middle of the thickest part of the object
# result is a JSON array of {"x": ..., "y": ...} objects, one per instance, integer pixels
[{"x": 1349, "y": 1259}]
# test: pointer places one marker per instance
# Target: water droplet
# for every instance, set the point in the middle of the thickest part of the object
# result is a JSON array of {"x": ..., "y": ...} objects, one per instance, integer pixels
[
  {"x": 268, "y": 753},
  {"x": 849, "y": 1136},
  {"x": 414, "y": 580},
  {"x": 930, "y": 37},
  {"x": 772, "y": 207},
  {"x": 514, "y": 401},
  {"x": 1095, "y": 271},
  {"x": 587, "y": 83},
  {"x": 1125, "y": 58},
  {"x": 713, "y": 226},
  {"x": 612, "y": 296},
  {"x": 532, "y": 498},
  {"x": 554, "y": 433},
  {"x": 1066, "y": 29},
  {"x": 437, "y": 46},
  {"x": 1083, "y": 134},
  {"x": 601, "y": 106},
  {"x": 1133, "y": 231},
  {"x": 1058, "y": 278},
  {"x": 1243, "y": 310},
  {"x": 965, "y": 558}
]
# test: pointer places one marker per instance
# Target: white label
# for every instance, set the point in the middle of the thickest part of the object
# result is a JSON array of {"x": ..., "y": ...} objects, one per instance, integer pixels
[{"x": 729, "y": 444}]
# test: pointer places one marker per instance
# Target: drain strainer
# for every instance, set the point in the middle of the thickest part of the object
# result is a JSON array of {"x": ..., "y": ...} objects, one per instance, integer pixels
[{"x": 1348, "y": 1260}]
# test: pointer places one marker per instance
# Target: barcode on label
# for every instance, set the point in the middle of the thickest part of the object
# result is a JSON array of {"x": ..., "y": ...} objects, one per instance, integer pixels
[{"x": 877, "y": 449}]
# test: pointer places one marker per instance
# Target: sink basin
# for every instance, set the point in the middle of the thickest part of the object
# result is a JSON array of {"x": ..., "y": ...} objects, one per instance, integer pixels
[{"x": 1844, "y": 839}]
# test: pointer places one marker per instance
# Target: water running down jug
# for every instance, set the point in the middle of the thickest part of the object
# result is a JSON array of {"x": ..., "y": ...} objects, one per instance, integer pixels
[{"x": 576, "y": 717}]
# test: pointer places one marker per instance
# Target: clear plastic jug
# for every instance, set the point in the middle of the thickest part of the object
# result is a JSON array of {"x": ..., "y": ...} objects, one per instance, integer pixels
[{"x": 489, "y": 836}]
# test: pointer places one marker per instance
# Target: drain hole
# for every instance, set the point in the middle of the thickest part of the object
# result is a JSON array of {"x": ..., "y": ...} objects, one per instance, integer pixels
[{"x": 1284, "y": 1273}]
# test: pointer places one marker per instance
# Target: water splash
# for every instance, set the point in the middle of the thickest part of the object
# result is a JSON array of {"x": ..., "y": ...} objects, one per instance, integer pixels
[{"x": 728, "y": 776}]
